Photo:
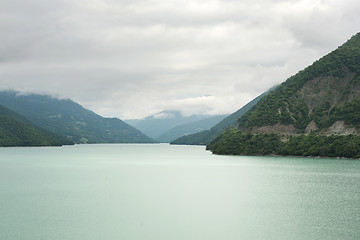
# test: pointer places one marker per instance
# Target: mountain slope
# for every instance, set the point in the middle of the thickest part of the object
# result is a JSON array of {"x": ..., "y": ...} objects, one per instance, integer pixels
[
  {"x": 321, "y": 100},
  {"x": 189, "y": 128},
  {"x": 316, "y": 98},
  {"x": 205, "y": 137},
  {"x": 17, "y": 131},
  {"x": 161, "y": 122},
  {"x": 71, "y": 120},
  {"x": 235, "y": 142}
]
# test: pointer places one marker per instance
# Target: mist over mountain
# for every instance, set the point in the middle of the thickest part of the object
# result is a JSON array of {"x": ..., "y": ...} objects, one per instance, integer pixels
[
  {"x": 189, "y": 128},
  {"x": 205, "y": 137},
  {"x": 71, "y": 120},
  {"x": 159, "y": 123}
]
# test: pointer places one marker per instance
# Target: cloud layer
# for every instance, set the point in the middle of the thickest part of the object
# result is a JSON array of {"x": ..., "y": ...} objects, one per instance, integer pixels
[{"x": 132, "y": 58}]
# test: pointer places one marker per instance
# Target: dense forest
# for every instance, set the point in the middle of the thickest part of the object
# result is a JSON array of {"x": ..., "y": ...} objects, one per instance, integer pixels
[
  {"x": 235, "y": 142},
  {"x": 17, "y": 131},
  {"x": 314, "y": 113},
  {"x": 325, "y": 92}
]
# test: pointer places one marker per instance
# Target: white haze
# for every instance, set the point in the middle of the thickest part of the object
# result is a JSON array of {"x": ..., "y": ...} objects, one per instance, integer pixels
[{"x": 133, "y": 58}]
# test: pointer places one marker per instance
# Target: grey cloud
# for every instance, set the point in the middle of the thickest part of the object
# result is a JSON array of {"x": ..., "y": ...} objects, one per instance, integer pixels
[
  {"x": 134, "y": 58},
  {"x": 325, "y": 27}
]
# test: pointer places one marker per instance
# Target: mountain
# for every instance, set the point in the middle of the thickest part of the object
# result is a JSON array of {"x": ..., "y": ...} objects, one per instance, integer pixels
[
  {"x": 15, "y": 130},
  {"x": 321, "y": 102},
  {"x": 189, "y": 128},
  {"x": 159, "y": 123},
  {"x": 70, "y": 120},
  {"x": 205, "y": 137}
]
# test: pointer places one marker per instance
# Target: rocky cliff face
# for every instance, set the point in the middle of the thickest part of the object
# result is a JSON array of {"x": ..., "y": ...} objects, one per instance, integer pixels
[{"x": 340, "y": 128}]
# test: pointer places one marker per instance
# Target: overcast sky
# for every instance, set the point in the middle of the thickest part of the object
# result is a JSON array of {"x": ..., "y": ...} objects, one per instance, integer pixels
[{"x": 133, "y": 58}]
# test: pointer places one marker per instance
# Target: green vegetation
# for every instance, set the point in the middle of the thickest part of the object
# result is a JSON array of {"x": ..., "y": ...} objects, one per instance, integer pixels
[
  {"x": 17, "y": 131},
  {"x": 70, "y": 120},
  {"x": 317, "y": 93},
  {"x": 235, "y": 142},
  {"x": 324, "y": 93},
  {"x": 201, "y": 138},
  {"x": 349, "y": 112}
]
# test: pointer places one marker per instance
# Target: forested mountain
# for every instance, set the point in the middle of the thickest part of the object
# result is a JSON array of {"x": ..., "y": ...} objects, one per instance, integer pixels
[
  {"x": 159, "y": 123},
  {"x": 189, "y": 128},
  {"x": 71, "y": 120},
  {"x": 205, "y": 137},
  {"x": 321, "y": 100},
  {"x": 15, "y": 130}
]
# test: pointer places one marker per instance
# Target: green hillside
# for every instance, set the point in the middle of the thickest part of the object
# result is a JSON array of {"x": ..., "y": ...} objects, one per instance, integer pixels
[
  {"x": 71, "y": 120},
  {"x": 205, "y": 137},
  {"x": 314, "y": 99},
  {"x": 235, "y": 142},
  {"x": 321, "y": 100},
  {"x": 17, "y": 131}
]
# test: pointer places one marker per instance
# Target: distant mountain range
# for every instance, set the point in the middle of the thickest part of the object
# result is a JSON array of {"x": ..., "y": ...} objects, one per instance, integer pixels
[
  {"x": 15, "y": 130},
  {"x": 189, "y": 128},
  {"x": 70, "y": 120},
  {"x": 205, "y": 137},
  {"x": 313, "y": 113},
  {"x": 168, "y": 125}
]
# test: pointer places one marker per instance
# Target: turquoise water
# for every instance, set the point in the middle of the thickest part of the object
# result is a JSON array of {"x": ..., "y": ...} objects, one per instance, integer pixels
[{"x": 167, "y": 192}]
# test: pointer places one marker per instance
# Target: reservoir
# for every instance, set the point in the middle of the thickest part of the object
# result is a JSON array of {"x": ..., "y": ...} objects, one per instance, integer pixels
[{"x": 165, "y": 192}]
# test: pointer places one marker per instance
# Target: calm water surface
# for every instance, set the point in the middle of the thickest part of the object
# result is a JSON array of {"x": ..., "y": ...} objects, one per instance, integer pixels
[{"x": 162, "y": 192}]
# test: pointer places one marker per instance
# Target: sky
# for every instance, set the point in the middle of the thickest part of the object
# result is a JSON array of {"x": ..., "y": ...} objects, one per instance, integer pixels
[{"x": 133, "y": 58}]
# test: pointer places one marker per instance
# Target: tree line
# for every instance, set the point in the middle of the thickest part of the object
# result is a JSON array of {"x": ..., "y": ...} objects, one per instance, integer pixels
[{"x": 235, "y": 142}]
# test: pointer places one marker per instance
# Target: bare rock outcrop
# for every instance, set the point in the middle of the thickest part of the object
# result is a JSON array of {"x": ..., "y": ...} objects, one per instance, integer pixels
[
  {"x": 311, "y": 127},
  {"x": 340, "y": 128}
]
